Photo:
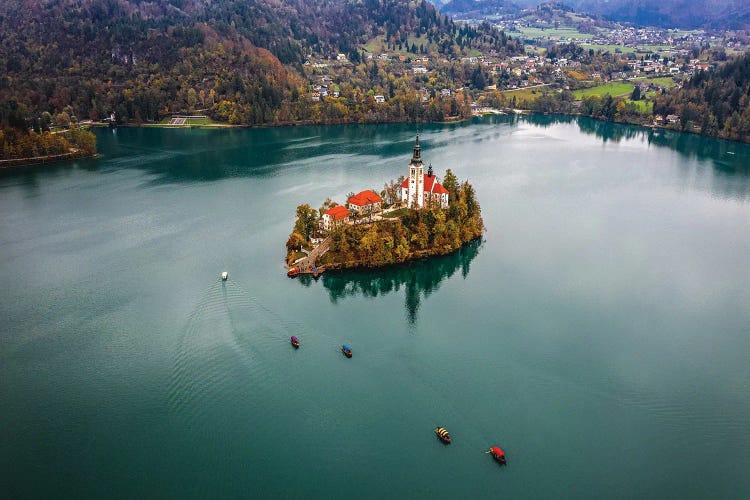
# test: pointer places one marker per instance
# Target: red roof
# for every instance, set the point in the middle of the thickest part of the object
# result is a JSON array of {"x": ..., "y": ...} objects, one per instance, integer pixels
[
  {"x": 439, "y": 189},
  {"x": 365, "y": 198},
  {"x": 338, "y": 212},
  {"x": 428, "y": 185}
]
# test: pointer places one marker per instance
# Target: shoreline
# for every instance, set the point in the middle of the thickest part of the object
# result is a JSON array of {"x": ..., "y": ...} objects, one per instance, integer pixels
[
  {"x": 312, "y": 123},
  {"x": 344, "y": 267},
  {"x": 43, "y": 160}
]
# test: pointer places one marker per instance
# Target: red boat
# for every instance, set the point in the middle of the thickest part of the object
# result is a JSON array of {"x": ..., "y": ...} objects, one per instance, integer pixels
[
  {"x": 498, "y": 454},
  {"x": 443, "y": 435},
  {"x": 346, "y": 350},
  {"x": 295, "y": 342},
  {"x": 293, "y": 272}
]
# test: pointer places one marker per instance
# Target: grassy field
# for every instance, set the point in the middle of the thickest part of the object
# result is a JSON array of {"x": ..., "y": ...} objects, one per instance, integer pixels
[
  {"x": 613, "y": 88},
  {"x": 644, "y": 107},
  {"x": 534, "y": 33},
  {"x": 396, "y": 213},
  {"x": 189, "y": 122},
  {"x": 664, "y": 81},
  {"x": 654, "y": 48},
  {"x": 524, "y": 94}
]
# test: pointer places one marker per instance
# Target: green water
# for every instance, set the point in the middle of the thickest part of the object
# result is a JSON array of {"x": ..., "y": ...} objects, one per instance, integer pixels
[{"x": 600, "y": 333}]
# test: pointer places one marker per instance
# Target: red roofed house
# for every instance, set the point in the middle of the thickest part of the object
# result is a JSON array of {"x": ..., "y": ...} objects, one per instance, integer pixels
[
  {"x": 365, "y": 203},
  {"x": 334, "y": 217},
  {"x": 420, "y": 189}
]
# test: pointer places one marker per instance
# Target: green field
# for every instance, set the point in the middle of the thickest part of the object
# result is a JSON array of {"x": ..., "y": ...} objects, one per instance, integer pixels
[
  {"x": 664, "y": 81},
  {"x": 396, "y": 213},
  {"x": 644, "y": 107},
  {"x": 614, "y": 89},
  {"x": 524, "y": 94},
  {"x": 654, "y": 48},
  {"x": 189, "y": 122},
  {"x": 535, "y": 33}
]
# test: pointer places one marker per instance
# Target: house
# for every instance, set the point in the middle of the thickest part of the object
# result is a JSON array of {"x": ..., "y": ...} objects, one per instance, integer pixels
[
  {"x": 340, "y": 57},
  {"x": 673, "y": 119},
  {"x": 420, "y": 189},
  {"x": 334, "y": 217},
  {"x": 379, "y": 99},
  {"x": 419, "y": 70},
  {"x": 365, "y": 203}
]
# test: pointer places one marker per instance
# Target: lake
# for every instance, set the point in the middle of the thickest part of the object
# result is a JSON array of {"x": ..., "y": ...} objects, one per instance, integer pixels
[{"x": 599, "y": 333}]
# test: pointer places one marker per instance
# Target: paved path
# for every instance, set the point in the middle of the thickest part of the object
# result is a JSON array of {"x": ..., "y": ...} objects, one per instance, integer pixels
[{"x": 309, "y": 261}]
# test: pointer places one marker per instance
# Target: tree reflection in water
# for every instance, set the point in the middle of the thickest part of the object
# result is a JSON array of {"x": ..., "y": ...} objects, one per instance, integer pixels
[{"x": 419, "y": 279}]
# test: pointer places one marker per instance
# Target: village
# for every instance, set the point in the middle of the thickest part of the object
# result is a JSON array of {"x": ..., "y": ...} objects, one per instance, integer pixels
[{"x": 586, "y": 59}]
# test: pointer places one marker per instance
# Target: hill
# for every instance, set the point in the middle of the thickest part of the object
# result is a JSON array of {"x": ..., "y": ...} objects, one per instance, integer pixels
[
  {"x": 713, "y": 103},
  {"x": 239, "y": 61},
  {"x": 687, "y": 14}
]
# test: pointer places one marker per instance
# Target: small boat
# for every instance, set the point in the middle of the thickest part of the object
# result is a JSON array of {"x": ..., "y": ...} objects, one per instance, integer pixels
[
  {"x": 346, "y": 350},
  {"x": 224, "y": 276},
  {"x": 498, "y": 454},
  {"x": 295, "y": 342},
  {"x": 293, "y": 272},
  {"x": 442, "y": 434}
]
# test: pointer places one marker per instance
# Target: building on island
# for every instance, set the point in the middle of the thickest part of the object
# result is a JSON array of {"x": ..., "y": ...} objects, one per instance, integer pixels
[
  {"x": 365, "y": 203},
  {"x": 419, "y": 189},
  {"x": 334, "y": 217}
]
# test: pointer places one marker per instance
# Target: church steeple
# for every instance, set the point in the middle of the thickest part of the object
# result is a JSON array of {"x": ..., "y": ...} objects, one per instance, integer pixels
[{"x": 416, "y": 158}]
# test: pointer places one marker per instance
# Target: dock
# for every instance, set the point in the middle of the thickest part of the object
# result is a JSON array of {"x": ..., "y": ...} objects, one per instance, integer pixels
[{"x": 296, "y": 271}]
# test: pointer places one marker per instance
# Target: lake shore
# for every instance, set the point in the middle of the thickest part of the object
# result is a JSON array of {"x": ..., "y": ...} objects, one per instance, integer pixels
[{"x": 43, "y": 160}]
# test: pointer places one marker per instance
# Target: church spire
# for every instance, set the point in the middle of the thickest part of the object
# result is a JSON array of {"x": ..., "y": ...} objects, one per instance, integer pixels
[{"x": 417, "y": 156}]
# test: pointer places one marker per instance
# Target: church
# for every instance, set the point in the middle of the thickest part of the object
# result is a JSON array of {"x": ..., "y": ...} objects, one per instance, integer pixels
[{"x": 419, "y": 189}]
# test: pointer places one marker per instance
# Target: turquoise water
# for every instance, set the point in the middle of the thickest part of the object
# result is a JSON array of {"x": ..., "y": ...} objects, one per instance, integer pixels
[{"x": 599, "y": 333}]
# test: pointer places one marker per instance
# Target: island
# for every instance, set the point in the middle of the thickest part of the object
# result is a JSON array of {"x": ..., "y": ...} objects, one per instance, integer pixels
[{"x": 414, "y": 217}]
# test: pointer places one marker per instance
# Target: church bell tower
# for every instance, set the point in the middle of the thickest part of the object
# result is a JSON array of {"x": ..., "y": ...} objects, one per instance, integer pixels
[{"x": 416, "y": 177}]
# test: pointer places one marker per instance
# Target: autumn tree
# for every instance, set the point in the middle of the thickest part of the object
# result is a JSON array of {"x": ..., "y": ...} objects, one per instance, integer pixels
[{"x": 307, "y": 221}]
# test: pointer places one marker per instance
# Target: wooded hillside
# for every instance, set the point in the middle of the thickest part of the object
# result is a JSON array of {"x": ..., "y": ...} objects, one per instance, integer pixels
[{"x": 239, "y": 61}]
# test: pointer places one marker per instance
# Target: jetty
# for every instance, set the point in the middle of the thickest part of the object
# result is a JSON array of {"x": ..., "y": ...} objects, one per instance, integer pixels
[
  {"x": 296, "y": 271},
  {"x": 307, "y": 264}
]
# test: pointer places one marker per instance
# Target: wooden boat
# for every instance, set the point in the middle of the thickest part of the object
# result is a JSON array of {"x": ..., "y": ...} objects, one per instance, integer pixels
[
  {"x": 295, "y": 342},
  {"x": 346, "y": 350},
  {"x": 498, "y": 454},
  {"x": 293, "y": 272},
  {"x": 443, "y": 435}
]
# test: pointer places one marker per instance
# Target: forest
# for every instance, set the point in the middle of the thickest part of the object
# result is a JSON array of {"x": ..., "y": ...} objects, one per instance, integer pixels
[
  {"x": 22, "y": 139},
  {"x": 713, "y": 103},
  {"x": 238, "y": 61}
]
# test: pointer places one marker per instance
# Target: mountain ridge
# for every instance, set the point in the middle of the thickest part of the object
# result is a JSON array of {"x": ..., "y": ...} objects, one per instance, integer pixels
[{"x": 687, "y": 14}]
